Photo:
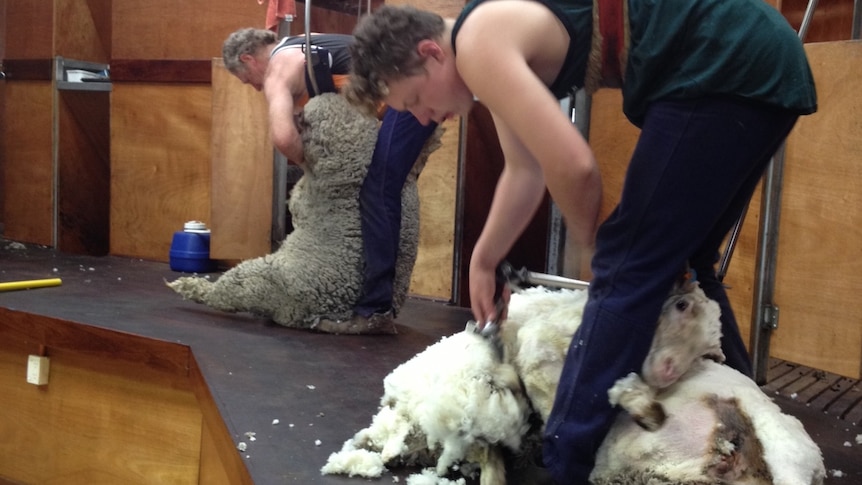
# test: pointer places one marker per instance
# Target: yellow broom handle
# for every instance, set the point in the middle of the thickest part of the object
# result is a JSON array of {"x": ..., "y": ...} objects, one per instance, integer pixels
[{"x": 24, "y": 285}]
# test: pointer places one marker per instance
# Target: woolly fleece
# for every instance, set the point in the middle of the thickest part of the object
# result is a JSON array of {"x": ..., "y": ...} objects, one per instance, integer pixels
[{"x": 317, "y": 270}]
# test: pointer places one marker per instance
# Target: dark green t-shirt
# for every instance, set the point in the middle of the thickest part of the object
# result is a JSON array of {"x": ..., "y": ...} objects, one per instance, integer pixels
[{"x": 685, "y": 49}]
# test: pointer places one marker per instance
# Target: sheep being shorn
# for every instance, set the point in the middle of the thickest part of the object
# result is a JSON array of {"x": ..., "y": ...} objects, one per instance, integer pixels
[
  {"x": 452, "y": 405},
  {"x": 689, "y": 329},
  {"x": 719, "y": 427},
  {"x": 317, "y": 270}
]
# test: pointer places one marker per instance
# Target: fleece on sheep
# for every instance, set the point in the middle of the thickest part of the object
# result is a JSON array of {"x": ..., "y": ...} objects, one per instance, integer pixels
[
  {"x": 317, "y": 271},
  {"x": 712, "y": 409},
  {"x": 452, "y": 404}
]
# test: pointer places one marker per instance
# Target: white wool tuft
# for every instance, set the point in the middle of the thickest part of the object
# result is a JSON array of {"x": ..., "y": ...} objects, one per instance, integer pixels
[
  {"x": 429, "y": 477},
  {"x": 446, "y": 404},
  {"x": 354, "y": 462}
]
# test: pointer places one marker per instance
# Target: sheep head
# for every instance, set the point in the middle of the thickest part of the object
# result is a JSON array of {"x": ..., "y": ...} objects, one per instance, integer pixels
[{"x": 688, "y": 329}]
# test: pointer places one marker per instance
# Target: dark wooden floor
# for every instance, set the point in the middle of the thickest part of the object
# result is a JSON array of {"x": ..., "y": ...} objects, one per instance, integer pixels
[{"x": 324, "y": 388}]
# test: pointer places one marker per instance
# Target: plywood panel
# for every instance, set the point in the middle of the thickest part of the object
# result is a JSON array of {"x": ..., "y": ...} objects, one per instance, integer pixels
[
  {"x": 164, "y": 29},
  {"x": 820, "y": 248},
  {"x": 83, "y": 30},
  {"x": 28, "y": 193},
  {"x": 29, "y": 29},
  {"x": 160, "y": 173},
  {"x": 438, "y": 183},
  {"x": 242, "y": 169},
  {"x": 95, "y": 428}
]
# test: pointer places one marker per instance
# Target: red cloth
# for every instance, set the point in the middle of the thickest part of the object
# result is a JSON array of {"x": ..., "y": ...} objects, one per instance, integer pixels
[
  {"x": 276, "y": 10},
  {"x": 611, "y": 25}
]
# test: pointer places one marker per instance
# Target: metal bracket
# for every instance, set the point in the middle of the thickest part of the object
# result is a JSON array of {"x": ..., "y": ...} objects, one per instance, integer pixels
[{"x": 769, "y": 316}]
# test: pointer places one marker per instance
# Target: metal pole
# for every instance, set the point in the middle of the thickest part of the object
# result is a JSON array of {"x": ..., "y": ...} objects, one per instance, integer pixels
[
  {"x": 857, "y": 20},
  {"x": 309, "y": 65},
  {"x": 764, "y": 317}
]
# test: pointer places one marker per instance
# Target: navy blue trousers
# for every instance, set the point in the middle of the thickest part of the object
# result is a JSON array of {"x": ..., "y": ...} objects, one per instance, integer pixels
[
  {"x": 695, "y": 166},
  {"x": 399, "y": 143}
]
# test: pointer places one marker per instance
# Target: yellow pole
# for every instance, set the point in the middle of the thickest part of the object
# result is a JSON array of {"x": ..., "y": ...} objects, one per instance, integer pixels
[{"x": 24, "y": 285}]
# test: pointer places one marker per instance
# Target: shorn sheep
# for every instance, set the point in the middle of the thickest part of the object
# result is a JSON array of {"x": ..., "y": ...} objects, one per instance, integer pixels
[
  {"x": 317, "y": 271},
  {"x": 718, "y": 426}
]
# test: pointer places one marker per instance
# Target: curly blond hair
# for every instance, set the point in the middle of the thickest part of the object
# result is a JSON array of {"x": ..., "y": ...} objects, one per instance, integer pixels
[{"x": 384, "y": 50}]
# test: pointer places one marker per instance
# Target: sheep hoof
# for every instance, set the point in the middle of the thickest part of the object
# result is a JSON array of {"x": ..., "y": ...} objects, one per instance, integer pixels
[
  {"x": 653, "y": 417},
  {"x": 376, "y": 324}
]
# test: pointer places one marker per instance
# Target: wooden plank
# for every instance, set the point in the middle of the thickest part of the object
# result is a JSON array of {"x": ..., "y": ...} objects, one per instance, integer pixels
[
  {"x": 29, "y": 29},
  {"x": 160, "y": 165},
  {"x": 28, "y": 69},
  {"x": 81, "y": 29},
  {"x": 29, "y": 333},
  {"x": 242, "y": 169},
  {"x": 83, "y": 171},
  {"x": 163, "y": 29},
  {"x": 88, "y": 426},
  {"x": 819, "y": 263},
  {"x": 438, "y": 184},
  {"x": 161, "y": 71},
  {"x": 28, "y": 192},
  {"x": 117, "y": 407},
  {"x": 219, "y": 458}
]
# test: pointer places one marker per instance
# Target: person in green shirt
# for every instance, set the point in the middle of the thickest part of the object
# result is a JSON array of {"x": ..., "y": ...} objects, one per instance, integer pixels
[{"x": 715, "y": 87}]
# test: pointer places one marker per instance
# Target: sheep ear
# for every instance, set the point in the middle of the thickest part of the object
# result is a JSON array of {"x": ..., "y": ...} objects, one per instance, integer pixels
[{"x": 686, "y": 282}]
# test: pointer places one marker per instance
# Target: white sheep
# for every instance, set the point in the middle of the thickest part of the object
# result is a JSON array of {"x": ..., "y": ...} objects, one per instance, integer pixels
[
  {"x": 317, "y": 270},
  {"x": 719, "y": 428},
  {"x": 452, "y": 405}
]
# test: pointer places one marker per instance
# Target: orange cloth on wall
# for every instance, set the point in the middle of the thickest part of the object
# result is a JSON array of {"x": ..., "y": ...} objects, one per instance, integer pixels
[
  {"x": 340, "y": 80},
  {"x": 276, "y": 10}
]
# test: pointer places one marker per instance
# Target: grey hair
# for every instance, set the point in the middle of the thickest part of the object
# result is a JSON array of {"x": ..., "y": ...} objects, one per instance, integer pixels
[{"x": 244, "y": 41}]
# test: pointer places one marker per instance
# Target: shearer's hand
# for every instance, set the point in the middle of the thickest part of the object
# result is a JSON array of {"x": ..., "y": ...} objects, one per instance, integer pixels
[{"x": 489, "y": 297}]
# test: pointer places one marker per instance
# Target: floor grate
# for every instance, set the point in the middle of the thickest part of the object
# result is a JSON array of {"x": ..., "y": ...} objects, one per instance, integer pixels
[{"x": 829, "y": 393}]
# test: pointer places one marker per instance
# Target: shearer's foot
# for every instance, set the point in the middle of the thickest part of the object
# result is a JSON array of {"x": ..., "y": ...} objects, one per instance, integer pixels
[{"x": 375, "y": 324}]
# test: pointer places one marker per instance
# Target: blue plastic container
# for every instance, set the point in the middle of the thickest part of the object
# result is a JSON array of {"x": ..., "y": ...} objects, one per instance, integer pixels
[{"x": 190, "y": 249}]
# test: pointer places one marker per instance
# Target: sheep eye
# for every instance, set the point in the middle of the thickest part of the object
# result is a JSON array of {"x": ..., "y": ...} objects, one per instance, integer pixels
[{"x": 681, "y": 305}]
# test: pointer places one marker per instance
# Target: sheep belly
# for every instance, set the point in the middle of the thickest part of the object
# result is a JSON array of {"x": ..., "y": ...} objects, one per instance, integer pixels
[
  {"x": 675, "y": 453},
  {"x": 713, "y": 411}
]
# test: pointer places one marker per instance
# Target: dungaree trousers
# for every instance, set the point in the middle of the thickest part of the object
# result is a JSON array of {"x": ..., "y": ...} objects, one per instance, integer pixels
[
  {"x": 693, "y": 171},
  {"x": 399, "y": 143}
]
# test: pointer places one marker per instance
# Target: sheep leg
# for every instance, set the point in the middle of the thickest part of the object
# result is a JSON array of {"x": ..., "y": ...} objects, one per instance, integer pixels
[
  {"x": 638, "y": 399},
  {"x": 492, "y": 466}
]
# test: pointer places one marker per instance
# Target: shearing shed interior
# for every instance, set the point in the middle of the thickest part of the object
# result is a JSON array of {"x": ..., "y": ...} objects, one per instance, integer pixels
[{"x": 125, "y": 136}]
